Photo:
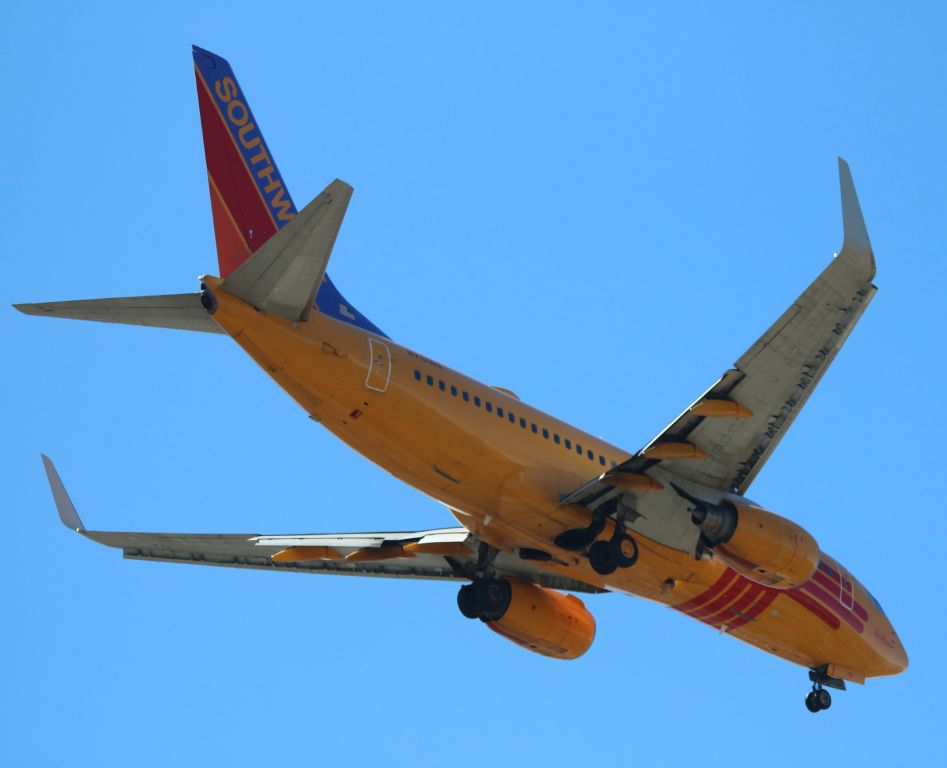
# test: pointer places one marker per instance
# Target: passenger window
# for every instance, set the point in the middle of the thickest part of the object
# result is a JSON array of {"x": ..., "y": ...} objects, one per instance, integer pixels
[
  {"x": 430, "y": 380},
  {"x": 417, "y": 375},
  {"x": 489, "y": 407},
  {"x": 453, "y": 390},
  {"x": 441, "y": 385},
  {"x": 499, "y": 412},
  {"x": 601, "y": 460},
  {"x": 466, "y": 396},
  {"x": 591, "y": 455},
  {"x": 546, "y": 433},
  {"x": 534, "y": 428},
  {"x": 476, "y": 401},
  {"x": 578, "y": 449},
  {"x": 511, "y": 417},
  {"x": 568, "y": 444},
  {"x": 523, "y": 423},
  {"x": 555, "y": 439}
]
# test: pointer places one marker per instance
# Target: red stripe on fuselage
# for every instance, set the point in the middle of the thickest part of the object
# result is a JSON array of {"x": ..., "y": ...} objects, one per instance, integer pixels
[
  {"x": 765, "y": 600},
  {"x": 728, "y": 596},
  {"x": 831, "y": 602},
  {"x": 813, "y": 607},
  {"x": 832, "y": 587},
  {"x": 732, "y": 612},
  {"x": 234, "y": 181},
  {"x": 696, "y": 602}
]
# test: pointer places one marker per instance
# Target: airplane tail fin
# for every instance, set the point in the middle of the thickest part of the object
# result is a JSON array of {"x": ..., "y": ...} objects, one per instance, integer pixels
[{"x": 249, "y": 198}]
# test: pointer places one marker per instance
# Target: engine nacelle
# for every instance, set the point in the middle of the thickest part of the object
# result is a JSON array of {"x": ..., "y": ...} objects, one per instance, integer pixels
[
  {"x": 545, "y": 621},
  {"x": 759, "y": 544}
]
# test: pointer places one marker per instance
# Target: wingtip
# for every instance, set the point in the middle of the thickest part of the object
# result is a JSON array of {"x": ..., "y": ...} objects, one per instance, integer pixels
[
  {"x": 64, "y": 506},
  {"x": 855, "y": 245}
]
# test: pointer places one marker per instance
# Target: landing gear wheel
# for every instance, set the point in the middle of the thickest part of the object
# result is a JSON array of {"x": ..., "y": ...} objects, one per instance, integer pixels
[
  {"x": 467, "y": 601},
  {"x": 624, "y": 550},
  {"x": 602, "y": 558},
  {"x": 811, "y": 703},
  {"x": 493, "y": 598},
  {"x": 823, "y": 698}
]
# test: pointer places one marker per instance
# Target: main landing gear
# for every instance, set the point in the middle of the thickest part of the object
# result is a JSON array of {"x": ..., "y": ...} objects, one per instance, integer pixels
[
  {"x": 620, "y": 551},
  {"x": 818, "y": 698},
  {"x": 606, "y": 556}
]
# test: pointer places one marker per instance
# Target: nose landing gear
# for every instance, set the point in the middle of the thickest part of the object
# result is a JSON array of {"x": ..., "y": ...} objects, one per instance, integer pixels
[{"x": 818, "y": 698}]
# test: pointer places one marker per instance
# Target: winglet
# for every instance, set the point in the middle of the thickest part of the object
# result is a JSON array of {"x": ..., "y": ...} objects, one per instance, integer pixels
[
  {"x": 856, "y": 246},
  {"x": 67, "y": 512}
]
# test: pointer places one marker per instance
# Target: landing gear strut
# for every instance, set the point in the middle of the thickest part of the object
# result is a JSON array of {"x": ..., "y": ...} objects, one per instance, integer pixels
[
  {"x": 485, "y": 599},
  {"x": 605, "y": 557},
  {"x": 620, "y": 551},
  {"x": 818, "y": 698}
]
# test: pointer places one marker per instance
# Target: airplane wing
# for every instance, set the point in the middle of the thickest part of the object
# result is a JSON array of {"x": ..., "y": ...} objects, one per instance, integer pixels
[
  {"x": 723, "y": 439},
  {"x": 445, "y": 553}
]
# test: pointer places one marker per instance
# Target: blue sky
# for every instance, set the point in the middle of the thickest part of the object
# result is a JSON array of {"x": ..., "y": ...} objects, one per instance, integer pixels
[{"x": 599, "y": 209}]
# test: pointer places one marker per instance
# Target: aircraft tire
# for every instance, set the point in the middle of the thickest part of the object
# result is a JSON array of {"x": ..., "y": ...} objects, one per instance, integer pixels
[
  {"x": 602, "y": 558},
  {"x": 619, "y": 547},
  {"x": 823, "y": 698},
  {"x": 811, "y": 703}
]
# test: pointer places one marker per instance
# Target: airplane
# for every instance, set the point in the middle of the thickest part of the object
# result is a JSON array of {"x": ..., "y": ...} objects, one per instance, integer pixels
[{"x": 545, "y": 510}]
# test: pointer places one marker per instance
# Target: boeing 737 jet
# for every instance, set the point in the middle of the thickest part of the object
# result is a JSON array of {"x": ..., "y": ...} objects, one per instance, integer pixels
[{"x": 545, "y": 510}]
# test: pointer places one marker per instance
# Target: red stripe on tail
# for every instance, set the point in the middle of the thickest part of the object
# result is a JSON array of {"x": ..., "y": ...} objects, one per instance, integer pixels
[{"x": 239, "y": 205}]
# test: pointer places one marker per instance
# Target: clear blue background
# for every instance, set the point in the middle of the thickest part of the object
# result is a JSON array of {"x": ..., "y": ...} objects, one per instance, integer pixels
[{"x": 598, "y": 208}]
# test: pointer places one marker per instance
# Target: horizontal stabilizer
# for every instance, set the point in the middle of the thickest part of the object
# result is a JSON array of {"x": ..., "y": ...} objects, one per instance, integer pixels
[
  {"x": 182, "y": 311},
  {"x": 283, "y": 276}
]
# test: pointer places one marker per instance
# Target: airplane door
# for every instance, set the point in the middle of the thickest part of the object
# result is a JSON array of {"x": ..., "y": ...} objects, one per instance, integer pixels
[
  {"x": 846, "y": 589},
  {"x": 379, "y": 366}
]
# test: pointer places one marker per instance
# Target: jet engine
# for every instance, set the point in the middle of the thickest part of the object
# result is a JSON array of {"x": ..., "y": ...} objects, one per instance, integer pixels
[
  {"x": 758, "y": 544},
  {"x": 542, "y": 620}
]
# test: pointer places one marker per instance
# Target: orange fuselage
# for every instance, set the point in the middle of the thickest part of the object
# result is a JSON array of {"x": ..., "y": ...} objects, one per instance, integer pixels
[{"x": 502, "y": 471}]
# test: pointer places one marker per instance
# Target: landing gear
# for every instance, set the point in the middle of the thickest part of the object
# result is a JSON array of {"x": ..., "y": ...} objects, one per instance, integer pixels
[
  {"x": 579, "y": 538},
  {"x": 811, "y": 704},
  {"x": 605, "y": 557},
  {"x": 602, "y": 558},
  {"x": 485, "y": 599},
  {"x": 818, "y": 698},
  {"x": 620, "y": 551}
]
